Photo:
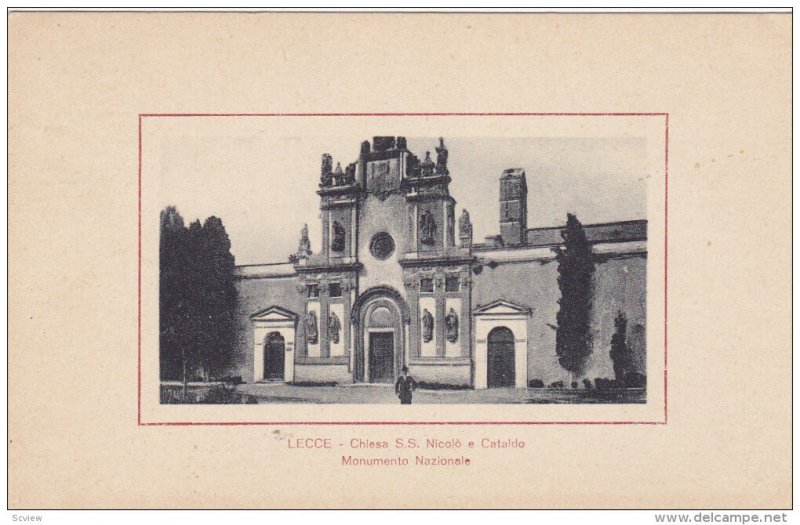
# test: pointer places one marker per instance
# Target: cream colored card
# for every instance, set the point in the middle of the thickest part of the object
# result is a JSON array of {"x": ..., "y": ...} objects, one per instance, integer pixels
[{"x": 395, "y": 190}]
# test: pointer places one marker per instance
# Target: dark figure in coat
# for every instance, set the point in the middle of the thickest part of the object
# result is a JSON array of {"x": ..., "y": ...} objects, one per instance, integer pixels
[{"x": 405, "y": 386}]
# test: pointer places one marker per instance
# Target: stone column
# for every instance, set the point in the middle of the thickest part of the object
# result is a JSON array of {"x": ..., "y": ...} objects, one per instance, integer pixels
[
  {"x": 324, "y": 315},
  {"x": 412, "y": 294},
  {"x": 329, "y": 231},
  {"x": 347, "y": 289},
  {"x": 465, "y": 326},
  {"x": 300, "y": 344},
  {"x": 325, "y": 248},
  {"x": 439, "y": 331},
  {"x": 445, "y": 224},
  {"x": 414, "y": 227},
  {"x": 353, "y": 232}
]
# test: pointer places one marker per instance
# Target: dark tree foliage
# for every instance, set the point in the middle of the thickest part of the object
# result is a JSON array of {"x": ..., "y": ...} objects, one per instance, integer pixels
[
  {"x": 575, "y": 272},
  {"x": 621, "y": 354},
  {"x": 194, "y": 334},
  {"x": 219, "y": 296},
  {"x": 173, "y": 305},
  {"x": 635, "y": 380},
  {"x": 198, "y": 297}
]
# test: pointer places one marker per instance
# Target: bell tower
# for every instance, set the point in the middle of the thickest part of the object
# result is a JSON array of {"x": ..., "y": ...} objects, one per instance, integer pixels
[{"x": 513, "y": 207}]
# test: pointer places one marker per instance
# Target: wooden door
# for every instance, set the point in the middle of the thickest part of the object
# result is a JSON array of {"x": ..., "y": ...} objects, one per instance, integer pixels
[
  {"x": 381, "y": 357},
  {"x": 501, "y": 358},
  {"x": 274, "y": 356}
]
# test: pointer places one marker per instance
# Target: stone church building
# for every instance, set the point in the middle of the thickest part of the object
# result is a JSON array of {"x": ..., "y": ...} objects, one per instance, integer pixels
[{"x": 400, "y": 281}]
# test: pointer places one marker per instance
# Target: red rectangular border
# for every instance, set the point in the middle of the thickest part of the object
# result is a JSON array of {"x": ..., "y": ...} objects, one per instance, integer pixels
[{"x": 237, "y": 423}]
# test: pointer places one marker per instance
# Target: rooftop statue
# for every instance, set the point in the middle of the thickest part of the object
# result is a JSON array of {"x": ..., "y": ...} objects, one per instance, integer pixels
[
  {"x": 304, "y": 248},
  {"x": 441, "y": 158},
  {"x": 326, "y": 171},
  {"x": 338, "y": 175},
  {"x": 349, "y": 174},
  {"x": 427, "y": 164},
  {"x": 464, "y": 224}
]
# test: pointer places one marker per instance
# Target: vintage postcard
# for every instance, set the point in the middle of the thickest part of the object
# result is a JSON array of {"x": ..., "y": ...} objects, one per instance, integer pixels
[
  {"x": 285, "y": 260},
  {"x": 379, "y": 286}
]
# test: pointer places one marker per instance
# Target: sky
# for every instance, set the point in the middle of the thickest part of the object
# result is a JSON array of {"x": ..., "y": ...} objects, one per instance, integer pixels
[{"x": 263, "y": 187}]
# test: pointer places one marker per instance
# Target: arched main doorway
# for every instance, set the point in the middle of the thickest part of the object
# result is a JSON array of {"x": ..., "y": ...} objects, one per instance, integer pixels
[
  {"x": 379, "y": 316},
  {"x": 500, "y": 364},
  {"x": 381, "y": 336},
  {"x": 274, "y": 355}
]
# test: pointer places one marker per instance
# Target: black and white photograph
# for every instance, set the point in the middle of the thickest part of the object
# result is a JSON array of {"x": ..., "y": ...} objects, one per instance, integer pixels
[{"x": 400, "y": 269}]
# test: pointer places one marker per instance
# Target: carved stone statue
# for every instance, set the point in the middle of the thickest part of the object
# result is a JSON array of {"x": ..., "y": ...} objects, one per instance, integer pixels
[
  {"x": 349, "y": 174},
  {"x": 326, "y": 172},
  {"x": 312, "y": 333},
  {"x": 451, "y": 323},
  {"x": 333, "y": 328},
  {"x": 413, "y": 168},
  {"x": 427, "y": 325},
  {"x": 338, "y": 175},
  {"x": 427, "y": 165},
  {"x": 464, "y": 224},
  {"x": 383, "y": 143},
  {"x": 441, "y": 158},
  {"x": 427, "y": 228},
  {"x": 337, "y": 243},
  {"x": 465, "y": 229},
  {"x": 304, "y": 248}
]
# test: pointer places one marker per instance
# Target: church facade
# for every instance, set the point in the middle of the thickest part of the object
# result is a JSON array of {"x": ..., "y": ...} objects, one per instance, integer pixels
[{"x": 400, "y": 281}]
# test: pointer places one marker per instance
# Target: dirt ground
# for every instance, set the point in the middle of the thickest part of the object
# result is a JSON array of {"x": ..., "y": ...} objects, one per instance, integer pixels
[{"x": 384, "y": 394}]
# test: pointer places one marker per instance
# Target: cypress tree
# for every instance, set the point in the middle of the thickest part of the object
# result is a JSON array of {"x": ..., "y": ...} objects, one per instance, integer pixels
[
  {"x": 172, "y": 286},
  {"x": 621, "y": 355},
  {"x": 219, "y": 296},
  {"x": 197, "y": 297},
  {"x": 575, "y": 272}
]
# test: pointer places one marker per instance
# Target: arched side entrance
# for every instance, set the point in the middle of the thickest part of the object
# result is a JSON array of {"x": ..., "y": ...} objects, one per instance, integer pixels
[
  {"x": 273, "y": 344},
  {"x": 501, "y": 345},
  {"x": 500, "y": 362},
  {"x": 380, "y": 318},
  {"x": 274, "y": 355}
]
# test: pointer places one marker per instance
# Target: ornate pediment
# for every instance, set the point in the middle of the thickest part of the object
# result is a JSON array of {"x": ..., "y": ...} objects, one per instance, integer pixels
[
  {"x": 274, "y": 313},
  {"x": 501, "y": 307}
]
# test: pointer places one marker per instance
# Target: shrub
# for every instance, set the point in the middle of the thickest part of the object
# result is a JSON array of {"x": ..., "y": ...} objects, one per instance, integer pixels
[
  {"x": 225, "y": 395},
  {"x": 216, "y": 395},
  {"x": 557, "y": 384},
  {"x": 442, "y": 386},
  {"x": 574, "y": 384},
  {"x": 195, "y": 376},
  {"x": 635, "y": 380},
  {"x": 621, "y": 354},
  {"x": 601, "y": 383},
  {"x": 173, "y": 396},
  {"x": 536, "y": 383},
  {"x": 587, "y": 384}
]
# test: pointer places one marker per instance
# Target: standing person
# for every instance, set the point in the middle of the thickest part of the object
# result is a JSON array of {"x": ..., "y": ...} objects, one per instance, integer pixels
[{"x": 405, "y": 386}]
